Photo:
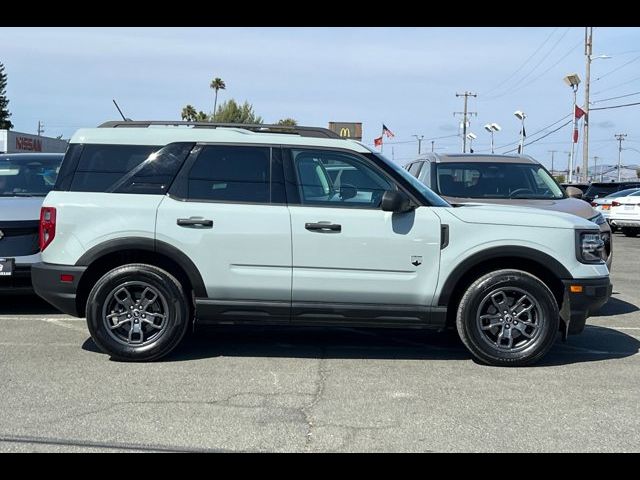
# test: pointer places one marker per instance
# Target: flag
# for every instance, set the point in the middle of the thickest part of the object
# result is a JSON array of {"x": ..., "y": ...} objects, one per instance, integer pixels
[
  {"x": 579, "y": 113},
  {"x": 377, "y": 142},
  {"x": 387, "y": 132},
  {"x": 575, "y": 135}
]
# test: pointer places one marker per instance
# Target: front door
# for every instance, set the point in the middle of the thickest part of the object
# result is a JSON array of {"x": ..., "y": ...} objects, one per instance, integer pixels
[{"x": 350, "y": 259}]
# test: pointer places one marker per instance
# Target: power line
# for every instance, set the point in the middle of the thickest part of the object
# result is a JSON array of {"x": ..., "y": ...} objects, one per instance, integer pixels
[
  {"x": 616, "y": 106},
  {"x": 614, "y": 98},
  {"x": 618, "y": 85},
  {"x": 523, "y": 63},
  {"x": 546, "y": 135},
  {"x": 616, "y": 69},
  {"x": 517, "y": 84}
]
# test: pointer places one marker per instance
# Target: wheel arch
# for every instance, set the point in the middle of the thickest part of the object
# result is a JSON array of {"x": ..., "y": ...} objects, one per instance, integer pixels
[
  {"x": 546, "y": 268},
  {"x": 113, "y": 253}
]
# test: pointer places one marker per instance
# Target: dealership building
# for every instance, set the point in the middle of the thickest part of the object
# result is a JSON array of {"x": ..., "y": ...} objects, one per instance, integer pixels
[{"x": 18, "y": 142}]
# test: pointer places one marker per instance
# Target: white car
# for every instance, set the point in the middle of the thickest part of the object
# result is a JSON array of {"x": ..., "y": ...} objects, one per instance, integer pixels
[
  {"x": 603, "y": 204},
  {"x": 625, "y": 214},
  {"x": 149, "y": 230}
]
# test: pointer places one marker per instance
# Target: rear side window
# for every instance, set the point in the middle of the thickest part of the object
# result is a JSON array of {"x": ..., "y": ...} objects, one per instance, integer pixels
[
  {"x": 231, "y": 174},
  {"x": 414, "y": 169},
  {"x": 100, "y": 167}
]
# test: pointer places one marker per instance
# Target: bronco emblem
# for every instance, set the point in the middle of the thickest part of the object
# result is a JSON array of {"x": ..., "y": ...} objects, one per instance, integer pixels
[{"x": 416, "y": 260}]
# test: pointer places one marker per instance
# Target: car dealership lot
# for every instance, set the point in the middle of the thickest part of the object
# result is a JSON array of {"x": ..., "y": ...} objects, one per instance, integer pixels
[{"x": 301, "y": 389}]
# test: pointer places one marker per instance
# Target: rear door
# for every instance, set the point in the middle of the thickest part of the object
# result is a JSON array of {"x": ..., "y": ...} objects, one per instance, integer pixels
[{"x": 227, "y": 212}]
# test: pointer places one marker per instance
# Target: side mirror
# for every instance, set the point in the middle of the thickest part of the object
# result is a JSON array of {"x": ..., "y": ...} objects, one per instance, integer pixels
[
  {"x": 574, "y": 192},
  {"x": 394, "y": 201},
  {"x": 348, "y": 191}
]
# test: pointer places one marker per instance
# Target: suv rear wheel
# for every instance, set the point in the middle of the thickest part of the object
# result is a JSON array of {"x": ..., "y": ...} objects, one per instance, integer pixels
[
  {"x": 508, "y": 318},
  {"x": 630, "y": 231},
  {"x": 137, "y": 312}
]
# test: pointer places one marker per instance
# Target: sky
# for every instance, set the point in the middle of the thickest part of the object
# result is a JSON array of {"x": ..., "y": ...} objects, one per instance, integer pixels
[{"x": 406, "y": 78}]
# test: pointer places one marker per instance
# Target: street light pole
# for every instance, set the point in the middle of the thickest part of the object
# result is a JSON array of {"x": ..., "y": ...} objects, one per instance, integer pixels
[
  {"x": 620, "y": 138},
  {"x": 419, "y": 138},
  {"x": 588, "y": 44},
  {"x": 521, "y": 116},
  {"x": 573, "y": 80}
]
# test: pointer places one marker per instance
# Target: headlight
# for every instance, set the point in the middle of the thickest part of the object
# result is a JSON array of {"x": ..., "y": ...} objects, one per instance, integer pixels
[
  {"x": 589, "y": 246},
  {"x": 598, "y": 219}
]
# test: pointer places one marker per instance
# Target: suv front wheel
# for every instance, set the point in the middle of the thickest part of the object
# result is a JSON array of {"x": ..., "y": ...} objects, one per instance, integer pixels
[
  {"x": 508, "y": 318},
  {"x": 137, "y": 312}
]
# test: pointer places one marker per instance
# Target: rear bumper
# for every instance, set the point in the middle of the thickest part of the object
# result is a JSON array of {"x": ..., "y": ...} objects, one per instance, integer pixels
[
  {"x": 19, "y": 282},
  {"x": 47, "y": 284},
  {"x": 619, "y": 222},
  {"x": 577, "y": 307}
]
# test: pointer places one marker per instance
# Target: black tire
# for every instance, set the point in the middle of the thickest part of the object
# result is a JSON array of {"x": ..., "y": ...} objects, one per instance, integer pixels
[
  {"x": 630, "y": 231},
  {"x": 542, "y": 324},
  {"x": 169, "y": 313}
]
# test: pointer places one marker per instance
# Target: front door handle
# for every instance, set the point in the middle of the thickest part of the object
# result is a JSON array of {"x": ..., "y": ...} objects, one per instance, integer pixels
[
  {"x": 323, "y": 227},
  {"x": 195, "y": 222}
]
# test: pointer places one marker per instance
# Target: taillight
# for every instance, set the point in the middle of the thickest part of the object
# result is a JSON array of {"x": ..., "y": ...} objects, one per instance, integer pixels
[
  {"x": 594, "y": 204},
  {"x": 615, "y": 204},
  {"x": 47, "y": 226}
]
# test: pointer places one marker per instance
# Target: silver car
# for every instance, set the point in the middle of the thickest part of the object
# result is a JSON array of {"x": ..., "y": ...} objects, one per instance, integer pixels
[{"x": 25, "y": 179}]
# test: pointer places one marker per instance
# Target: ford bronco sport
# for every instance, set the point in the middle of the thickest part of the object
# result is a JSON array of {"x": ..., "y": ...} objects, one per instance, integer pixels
[{"x": 153, "y": 226}]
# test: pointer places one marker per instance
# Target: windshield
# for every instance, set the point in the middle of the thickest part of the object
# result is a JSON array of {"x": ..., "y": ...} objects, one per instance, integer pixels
[
  {"x": 496, "y": 180},
  {"x": 28, "y": 176},
  {"x": 433, "y": 198}
]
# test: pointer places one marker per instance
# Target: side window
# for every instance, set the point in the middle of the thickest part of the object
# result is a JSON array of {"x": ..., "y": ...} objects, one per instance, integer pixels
[
  {"x": 155, "y": 174},
  {"x": 231, "y": 174},
  {"x": 102, "y": 166},
  {"x": 338, "y": 179},
  {"x": 425, "y": 173},
  {"x": 414, "y": 169}
]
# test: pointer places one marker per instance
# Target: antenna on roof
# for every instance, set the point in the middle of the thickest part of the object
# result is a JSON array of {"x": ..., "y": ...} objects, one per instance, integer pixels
[{"x": 120, "y": 111}]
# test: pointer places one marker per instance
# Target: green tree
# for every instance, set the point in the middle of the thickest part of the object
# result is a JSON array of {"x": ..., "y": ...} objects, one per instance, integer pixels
[
  {"x": 289, "y": 122},
  {"x": 560, "y": 178},
  {"x": 231, "y": 112},
  {"x": 638, "y": 172},
  {"x": 5, "y": 123},
  {"x": 189, "y": 113},
  {"x": 217, "y": 84}
]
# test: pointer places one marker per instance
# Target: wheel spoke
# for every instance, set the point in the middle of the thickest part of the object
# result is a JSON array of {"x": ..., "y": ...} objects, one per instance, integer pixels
[
  {"x": 524, "y": 310},
  {"x": 120, "y": 323},
  {"x": 505, "y": 334},
  {"x": 136, "y": 330},
  {"x": 151, "y": 323},
  {"x": 494, "y": 321},
  {"x": 123, "y": 297},
  {"x": 146, "y": 300},
  {"x": 522, "y": 328},
  {"x": 501, "y": 306}
]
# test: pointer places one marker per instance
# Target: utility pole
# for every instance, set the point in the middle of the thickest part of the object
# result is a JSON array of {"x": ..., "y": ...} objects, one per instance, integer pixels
[
  {"x": 465, "y": 118},
  {"x": 419, "y": 138},
  {"x": 588, "y": 48},
  {"x": 40, "y": 128},
  {"x": 552, "y": 152},
  {"x": 595, "y": 168},
  {"x": 433, "y": 145},
  {"x": 620, "y": 138},
  {"x": 569, "y": 154}
]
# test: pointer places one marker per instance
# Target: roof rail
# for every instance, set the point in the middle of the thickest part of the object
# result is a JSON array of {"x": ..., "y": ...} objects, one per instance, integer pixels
[{"x": 317, "y": 132}]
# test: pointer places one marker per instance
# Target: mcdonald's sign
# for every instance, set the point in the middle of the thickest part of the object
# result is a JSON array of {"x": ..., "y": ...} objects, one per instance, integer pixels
[{"x": 347, "y": 129}]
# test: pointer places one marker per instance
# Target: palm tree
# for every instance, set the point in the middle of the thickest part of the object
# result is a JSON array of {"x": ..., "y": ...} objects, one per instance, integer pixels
[
  {"x": 189, "y": 113},
  {"x": 290, "y": 122},
  {"x": 217, "y": 84}
]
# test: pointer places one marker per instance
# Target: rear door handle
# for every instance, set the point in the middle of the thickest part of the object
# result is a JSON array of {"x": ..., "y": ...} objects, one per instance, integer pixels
[
  {"x": 195, "y": 222},
  {"x": 323, "y": 227}
]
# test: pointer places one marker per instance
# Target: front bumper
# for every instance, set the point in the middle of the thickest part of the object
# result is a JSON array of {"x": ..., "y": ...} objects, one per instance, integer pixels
[
  {"x": 578, "y": 306},
  {"x": 47, "y": 283}
]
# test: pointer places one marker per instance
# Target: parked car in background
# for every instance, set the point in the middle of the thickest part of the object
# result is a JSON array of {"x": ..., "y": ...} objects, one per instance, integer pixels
[
  {"x": 625, "y": 214},
  {"x": 150, "y": 229},
  {"x": 505, "y": 180},
  {"x": 25, "y": 179},
  {"x": 602, "y": 189},
  {"x": 603, "y": 204}
]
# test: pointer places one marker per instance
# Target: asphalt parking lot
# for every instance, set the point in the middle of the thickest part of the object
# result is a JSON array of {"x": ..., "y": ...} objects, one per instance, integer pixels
[{"x": 295, "y": 389}]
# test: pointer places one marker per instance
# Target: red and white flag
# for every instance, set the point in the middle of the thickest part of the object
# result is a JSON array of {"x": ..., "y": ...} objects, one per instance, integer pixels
[
  {"x": 377, "y": 142},
  {"x": 575, "y": 135},
  {"x": 579, "y": 113}
]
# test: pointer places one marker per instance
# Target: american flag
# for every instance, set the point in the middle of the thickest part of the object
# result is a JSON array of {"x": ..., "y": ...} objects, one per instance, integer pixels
[{"x": 387, "y": 132}]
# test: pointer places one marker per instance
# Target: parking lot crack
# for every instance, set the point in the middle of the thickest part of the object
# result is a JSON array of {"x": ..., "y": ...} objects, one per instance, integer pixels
[{"x": 320, "y": 384}]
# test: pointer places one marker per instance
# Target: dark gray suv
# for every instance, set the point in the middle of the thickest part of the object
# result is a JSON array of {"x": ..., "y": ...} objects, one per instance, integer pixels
[{"x": 505, "y": 180}]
